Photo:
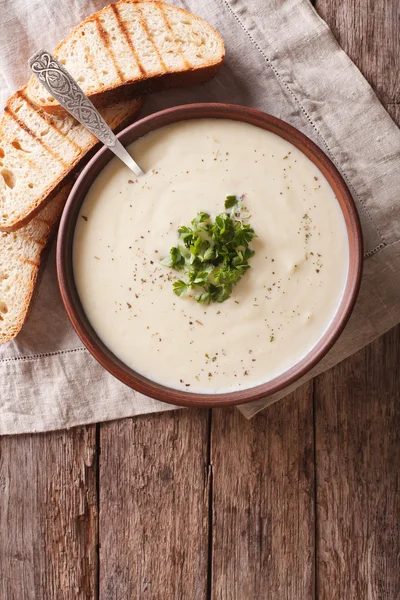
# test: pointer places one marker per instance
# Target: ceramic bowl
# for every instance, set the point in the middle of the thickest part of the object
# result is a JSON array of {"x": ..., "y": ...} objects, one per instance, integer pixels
[{"x": 65, "y": 268}]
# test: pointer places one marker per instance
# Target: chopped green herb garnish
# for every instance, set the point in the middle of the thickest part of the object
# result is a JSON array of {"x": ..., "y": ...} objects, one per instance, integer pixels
[
  {"x": 231, "y": 201},
  {"x": 180, "y": 287},
  {"x": 213, "y": 255}
]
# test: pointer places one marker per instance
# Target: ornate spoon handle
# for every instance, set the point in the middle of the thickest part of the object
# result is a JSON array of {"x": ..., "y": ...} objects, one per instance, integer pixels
[{"x": 63, "y": 87}]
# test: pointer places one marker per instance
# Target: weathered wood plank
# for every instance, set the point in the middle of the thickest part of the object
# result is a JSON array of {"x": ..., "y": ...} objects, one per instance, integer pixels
[
  {"x": 48, "y": 516},
  {"x": 358, "y": 403},
  {"x": 154, "y": 507},
  {"x": 263, "y": 502},
  {"x": 394, "y": 111},
  {"x": 369, "y": 31},
  {"x": 358, "y": 476}
]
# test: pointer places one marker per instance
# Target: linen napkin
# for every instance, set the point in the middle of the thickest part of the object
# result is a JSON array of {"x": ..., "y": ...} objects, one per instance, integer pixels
[{"x": 281, "y": 58}]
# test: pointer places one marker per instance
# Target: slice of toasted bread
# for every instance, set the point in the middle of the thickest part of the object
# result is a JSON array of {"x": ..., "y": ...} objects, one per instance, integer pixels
[
  {"x": 136, "y": 46},
  {"x": 20, "y": 253},
  {"x": 38, "y": 152},
  {"x": 21, "y": 250}
]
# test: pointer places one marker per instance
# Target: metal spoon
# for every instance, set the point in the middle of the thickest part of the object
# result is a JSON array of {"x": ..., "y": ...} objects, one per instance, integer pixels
[{"x": 63, "y": 87}]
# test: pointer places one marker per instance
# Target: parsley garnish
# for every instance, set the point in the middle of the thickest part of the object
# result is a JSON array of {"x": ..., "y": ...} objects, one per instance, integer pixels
[
  {"x": 231, "y": 201},
  {"x": 214, "y": 256}
]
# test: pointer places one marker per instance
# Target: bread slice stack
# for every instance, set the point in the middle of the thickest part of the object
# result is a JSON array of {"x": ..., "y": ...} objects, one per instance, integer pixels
[
  {"x": 20, "y": 253},
  {"x": 38, "y": 152},
  {"x": 126, "y": 49},
  {"x": 21, "y": 249}
]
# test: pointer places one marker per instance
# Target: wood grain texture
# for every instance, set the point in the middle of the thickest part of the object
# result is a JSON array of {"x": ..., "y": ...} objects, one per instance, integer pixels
[
  {"x": 358, "y": 476},
  {"x": 394, "y": 112},
  {"x": 369, "y": 31},
  {"x": 358, "y": 403},
  {"x": 48, "y": 516},
  {"x": 263, "y": 502},
  {"x": 154, "y": 489}
]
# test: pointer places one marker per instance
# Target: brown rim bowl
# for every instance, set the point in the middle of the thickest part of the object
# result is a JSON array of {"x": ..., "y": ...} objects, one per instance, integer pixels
[{"x": 65, "y": 268}]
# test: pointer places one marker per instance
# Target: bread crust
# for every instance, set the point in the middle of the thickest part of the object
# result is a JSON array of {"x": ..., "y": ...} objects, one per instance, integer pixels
[
  {"x": 48, "y": 218},
  {"x": 44, "y": 198},
  {"x": 37, "y": 229},
  {"x": 142, "y": 84}
]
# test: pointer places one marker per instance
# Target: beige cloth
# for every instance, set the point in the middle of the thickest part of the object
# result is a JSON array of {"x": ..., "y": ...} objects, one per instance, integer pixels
[{"x": 281, "y": 58}]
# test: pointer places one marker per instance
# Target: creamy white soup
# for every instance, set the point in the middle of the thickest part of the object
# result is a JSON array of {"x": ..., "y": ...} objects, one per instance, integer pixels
[{"x": 278, "y": 310}]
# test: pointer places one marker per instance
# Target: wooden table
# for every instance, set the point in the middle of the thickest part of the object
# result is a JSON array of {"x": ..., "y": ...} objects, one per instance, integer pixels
[{"x": 302, "y": 502}]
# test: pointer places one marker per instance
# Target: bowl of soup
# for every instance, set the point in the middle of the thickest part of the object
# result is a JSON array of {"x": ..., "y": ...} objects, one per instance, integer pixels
[{"x": 227, "y": 331}]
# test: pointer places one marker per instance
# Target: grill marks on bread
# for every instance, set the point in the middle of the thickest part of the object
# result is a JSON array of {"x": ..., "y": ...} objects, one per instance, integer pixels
[
  {"x": 105, "y": 36},
  {"x": 37, "y": 139},
  {"x": 48, "y": 120},
  {"x": 39, "y": 151},
  {"x": 145, "y": 28},
  {"x": 125, "y": 33},
  {"x": 167, "y": 26},
  {"x": 139, "y": 46}
]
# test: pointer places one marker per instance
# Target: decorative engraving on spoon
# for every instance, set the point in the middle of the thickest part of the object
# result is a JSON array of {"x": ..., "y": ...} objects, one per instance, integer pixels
[
  {"x": 63, "y": 87},
  {"x": 67, "y": 92}
]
